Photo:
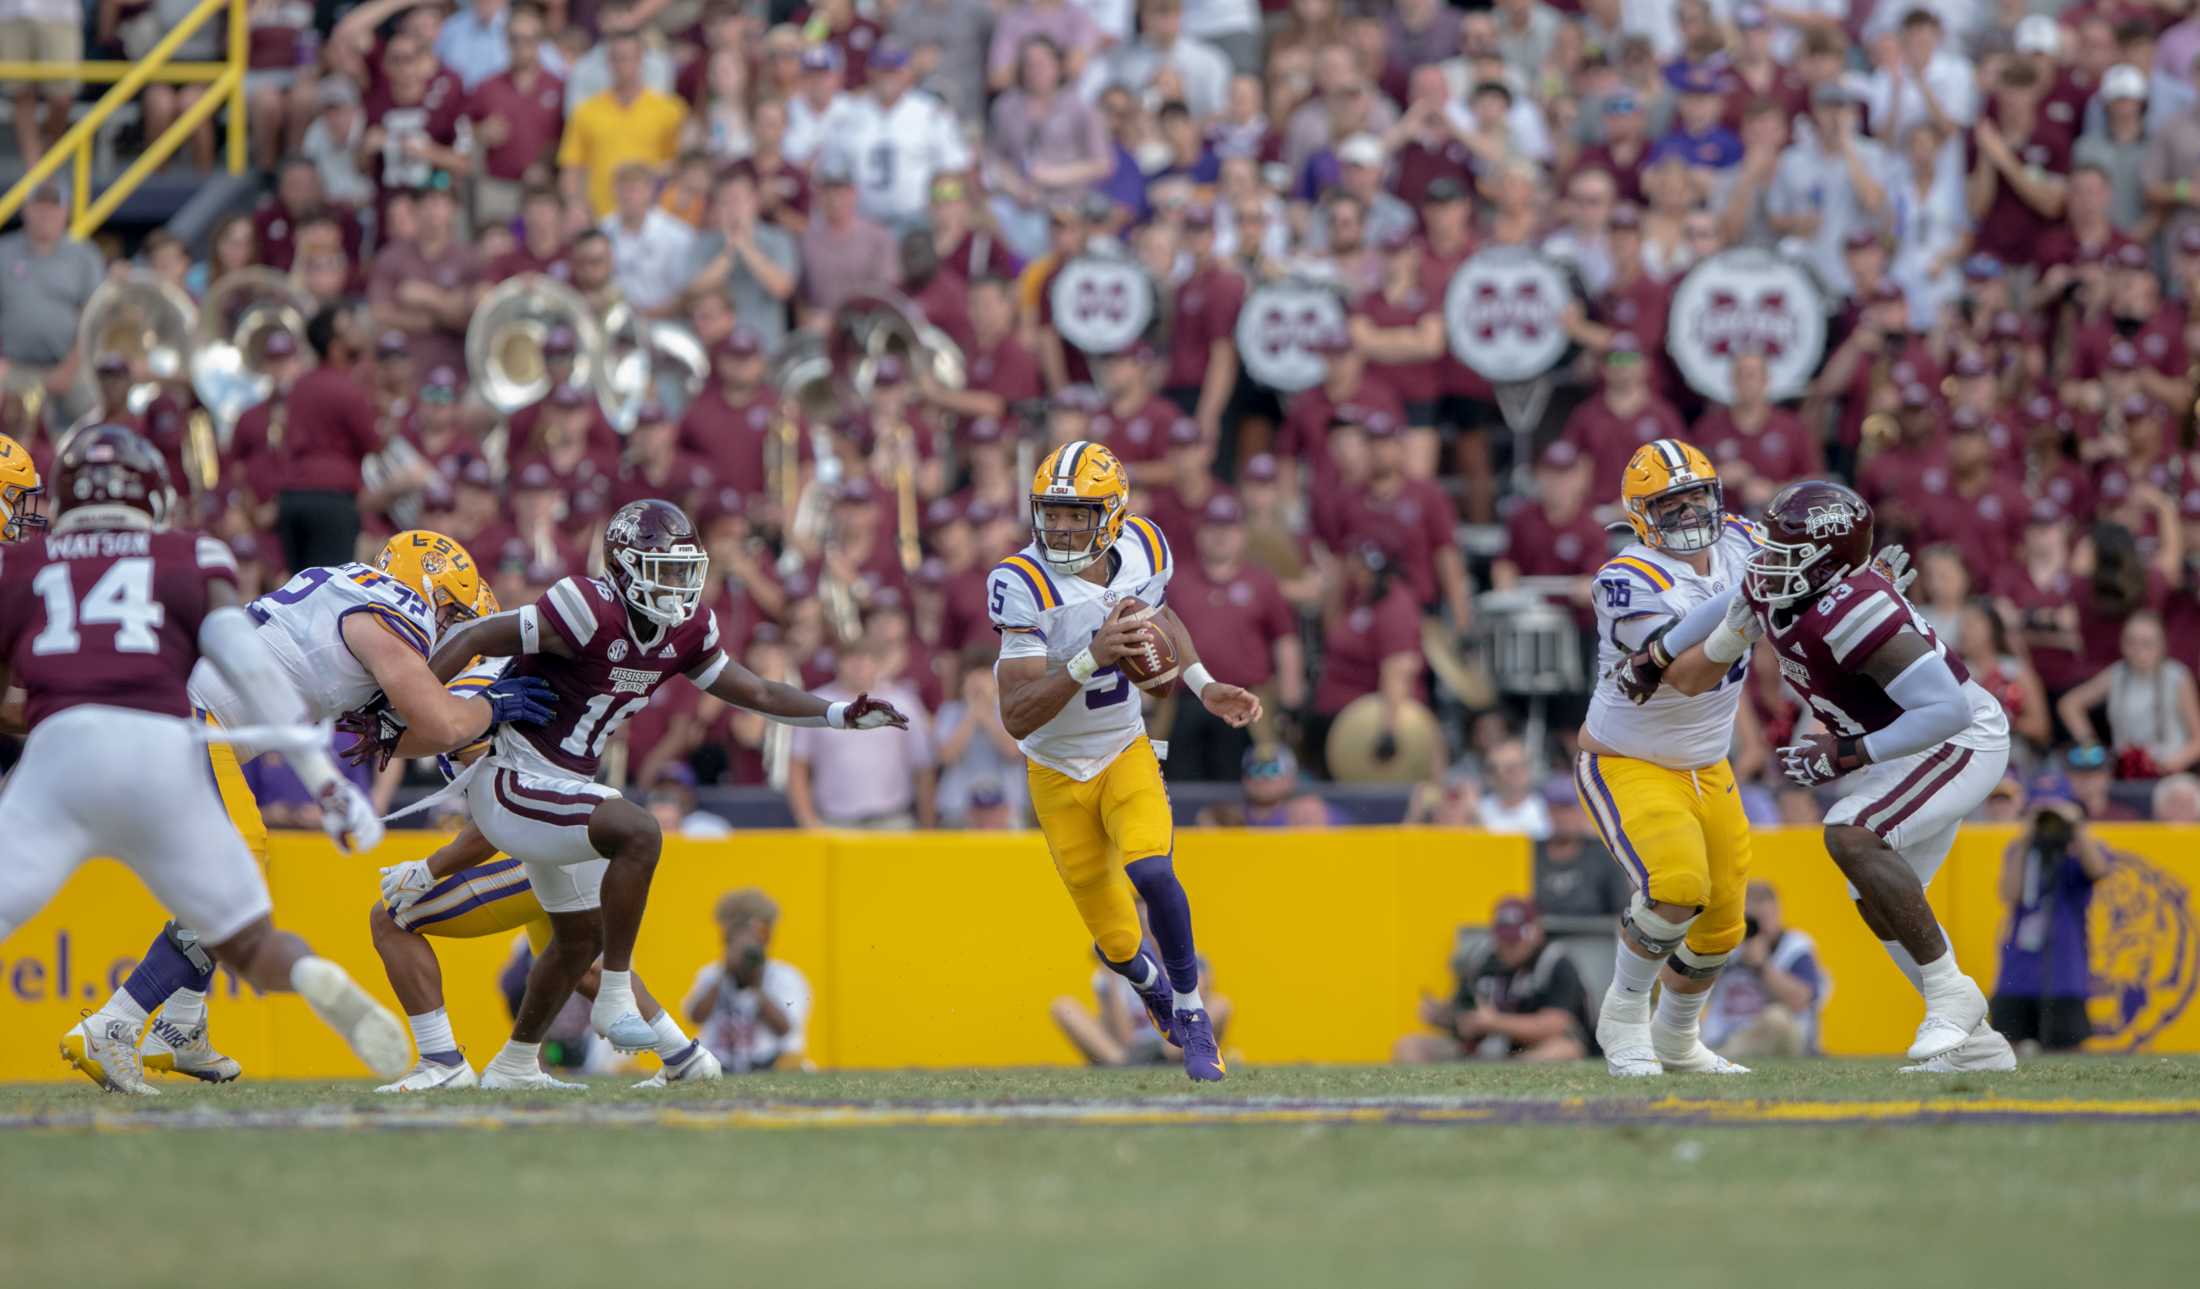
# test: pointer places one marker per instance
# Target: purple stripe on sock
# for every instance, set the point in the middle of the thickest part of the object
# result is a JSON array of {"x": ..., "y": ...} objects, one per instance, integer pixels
[{"x": 162, "y": 971}]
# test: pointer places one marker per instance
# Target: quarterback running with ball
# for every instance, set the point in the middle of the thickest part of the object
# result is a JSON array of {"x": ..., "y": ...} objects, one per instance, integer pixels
[{"x": 1067, "y": 609}]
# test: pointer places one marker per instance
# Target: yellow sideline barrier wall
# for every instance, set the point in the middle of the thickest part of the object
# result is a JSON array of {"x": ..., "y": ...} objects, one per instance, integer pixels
[{"x": 944, "y": 949}]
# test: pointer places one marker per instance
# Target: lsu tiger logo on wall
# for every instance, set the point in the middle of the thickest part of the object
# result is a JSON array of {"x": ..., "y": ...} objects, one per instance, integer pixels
[{"x": 2146, "y": 959}]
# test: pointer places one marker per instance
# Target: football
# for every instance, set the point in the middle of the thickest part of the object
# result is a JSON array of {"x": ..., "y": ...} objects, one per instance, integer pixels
[{"x": 1152, "y": 666}]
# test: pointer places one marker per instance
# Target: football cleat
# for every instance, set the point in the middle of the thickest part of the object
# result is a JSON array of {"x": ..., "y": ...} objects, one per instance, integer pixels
[
  {"x": 626, "y": 1031},
  {"x": 378, "y": 1037},
  {"x": 497, "y": 1079},
  {"x": 1160, "y": 1007},
  {"x": 172, "y": 1049},
  {"x": 696, "y": 1065},
  {"x": 105, "y": 1048},
  {"x": 1628, "y": 1051},
  {"x": 1949, "y": 1021},
  {"x": 1984, "y": 1052},
  {"x": 1689, "y": 1057},
  {"x": 434, "y": 1076},
  {"x": 1202, "y": 1059}
]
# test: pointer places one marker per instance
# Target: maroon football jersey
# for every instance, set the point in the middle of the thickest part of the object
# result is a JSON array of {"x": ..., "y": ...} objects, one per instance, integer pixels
[
  {"x": 107, "y": 617},
  {"x": 612, "y": 675},
  {"x": 1823, "y": 648}
]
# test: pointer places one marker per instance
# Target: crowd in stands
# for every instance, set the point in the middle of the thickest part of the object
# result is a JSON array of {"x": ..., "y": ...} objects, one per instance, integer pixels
[{"x": 1996, "y": 199}]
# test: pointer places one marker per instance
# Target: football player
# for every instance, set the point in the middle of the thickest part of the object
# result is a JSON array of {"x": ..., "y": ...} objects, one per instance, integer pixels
[
  {"x": 340, "y": 635},
  {"x": 1095, "y": 781},
  {"x": 21, "y": 495},
  {"x": 1653, "y": 778},
  {"x": 465, "y": 891},
  {"x": 603, "y": 645},
  {"x": 101, "y": 623},
  {"x": 1911, "y": 741}
]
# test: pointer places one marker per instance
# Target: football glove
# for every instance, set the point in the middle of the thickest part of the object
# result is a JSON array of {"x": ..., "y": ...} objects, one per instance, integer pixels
[
  {"x": 348, "y": 817},
  {"x": 1893, "y": 563},
  {"x": 526, "y": 699},
  {"x": 1640, "y": 673},
  {"x": 868, "y": 713},
  {"x": 375, "y": 730},
  {"x": 1820, "y": 758},
  {"x": 404, "y": 883}
]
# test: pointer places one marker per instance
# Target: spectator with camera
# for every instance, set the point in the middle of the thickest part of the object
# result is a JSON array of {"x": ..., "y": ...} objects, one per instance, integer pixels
[
  {"x": 1773, "y": 989},
  {"x": 749, "y": 1008},
  {"x": 2047, "y": 878},
  {"x": 1521, "y": 999}
]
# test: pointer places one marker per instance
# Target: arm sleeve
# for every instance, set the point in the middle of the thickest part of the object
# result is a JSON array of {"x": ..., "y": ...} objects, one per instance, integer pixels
[
  {"x": 1933, "y": 711},
  {"x": 1699, "y": 622}
]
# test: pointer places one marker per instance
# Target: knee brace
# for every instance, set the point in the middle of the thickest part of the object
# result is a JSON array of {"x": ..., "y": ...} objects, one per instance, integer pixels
[
  {"x": 186, "y": 942},
  {"x": 1652, "y": 929},
  {"x": 1697, "y": 966}
]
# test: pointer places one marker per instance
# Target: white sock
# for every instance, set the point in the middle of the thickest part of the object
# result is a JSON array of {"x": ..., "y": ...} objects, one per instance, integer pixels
[
  {"x": 1680, "y": 1011},
  {"x": 1146, "y": 964},
  {"x": 615, "y": 992},
  {"x": 1632, "y": 978},
  {"x": 1941, "y": 975},
  {"x": 124, "y": 1006},
  {"x": 671, "y": 1039},
  {"x": 1904, "y": 963},
  {"x": 1189, "y": 1002},
  {"x": 432, "y": 1032},
  {"x": 186, "y": 1009},
  {"x": 519, "y": 1057}
]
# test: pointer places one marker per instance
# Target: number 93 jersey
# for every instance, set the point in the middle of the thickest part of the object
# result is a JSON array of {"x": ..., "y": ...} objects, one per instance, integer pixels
[
  {"x": 1637, "y": 592},
  {"x": 1040, "y": 615},
  {"x": 302, "y": 625}
]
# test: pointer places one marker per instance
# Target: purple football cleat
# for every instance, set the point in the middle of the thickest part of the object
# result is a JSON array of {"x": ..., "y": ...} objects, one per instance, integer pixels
[
  {"x": 1202, "y": 1060},
  {"x": 1160, "y": 1007}
]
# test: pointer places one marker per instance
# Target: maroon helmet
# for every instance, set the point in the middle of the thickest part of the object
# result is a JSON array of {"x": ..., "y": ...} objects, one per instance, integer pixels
[
  {"x": 1815, "y": 534},
  {"x": 654, "y": 558},
  {"x": 111, "y": 465}
]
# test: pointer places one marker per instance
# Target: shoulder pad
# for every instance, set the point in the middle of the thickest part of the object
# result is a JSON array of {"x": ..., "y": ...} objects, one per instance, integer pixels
[
  {"x": 1147, "y": 534},
  {"x": 1018, "y": 591}
]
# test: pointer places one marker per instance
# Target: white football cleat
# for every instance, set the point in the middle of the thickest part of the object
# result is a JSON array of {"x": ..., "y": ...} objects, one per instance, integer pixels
[
  {"x": 701, "y": 1067},
  {"x": 1683, "y": 1052},
  {"x": 1949, "y": 1020},
  {"x": 173, "y": 1049},
  {"x": 434, "y": 1076},
  {"x": 380, "y": 1039},
  {"x": 1628, "y": 1052},
  {"x": 105, "y": 1048},
  {"x": 625, "y": 1029},
  {"x": 497, "y": 1079},
  {"x": 1984, "y": 1052}
]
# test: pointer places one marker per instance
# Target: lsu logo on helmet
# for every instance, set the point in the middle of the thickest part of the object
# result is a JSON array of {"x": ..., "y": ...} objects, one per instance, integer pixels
[
  {"x": 1086, "y": 476},
  {"x": 1672, "y": 496},
  {"x": 436, "y": 567}
]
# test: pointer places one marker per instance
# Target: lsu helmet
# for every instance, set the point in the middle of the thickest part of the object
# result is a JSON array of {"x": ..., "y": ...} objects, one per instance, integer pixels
[
  {"x": 1816, "y": 533},
  {"x": 1672, "y": 497},
  {"x": 485, "y": 603},
  {"x": 20, "y": 491},
  {"x": 1086, "y": 475},
  {"x": 438, "y": 568}
]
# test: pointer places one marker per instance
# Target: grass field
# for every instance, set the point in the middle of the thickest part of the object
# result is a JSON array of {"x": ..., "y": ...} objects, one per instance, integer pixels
[{"x": 2065, "y": 1173}]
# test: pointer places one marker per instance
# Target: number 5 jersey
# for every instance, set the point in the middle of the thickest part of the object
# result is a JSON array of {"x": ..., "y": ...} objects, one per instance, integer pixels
[{"x": 1637, "y": 592}]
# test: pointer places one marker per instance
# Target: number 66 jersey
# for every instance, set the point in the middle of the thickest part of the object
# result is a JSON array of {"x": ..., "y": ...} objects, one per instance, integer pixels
[
  {"x": 1040, "y": 615},
  {"x": 1638, "y": 591}
]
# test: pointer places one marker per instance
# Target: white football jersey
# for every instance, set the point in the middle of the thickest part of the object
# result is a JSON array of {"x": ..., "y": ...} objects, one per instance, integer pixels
[
  {"x": 896, "y": 151},
  {"x": 469, "y": 684},
  {"x": 302, "y": 622},
  {"x": 1042, "y": 615},
  {"x": 1638, "y": 591}
]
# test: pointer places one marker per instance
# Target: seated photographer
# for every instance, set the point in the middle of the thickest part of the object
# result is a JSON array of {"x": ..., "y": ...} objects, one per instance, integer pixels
[
  {"x": 1769, "y": 998},
  {"x": 1522, "y": 1000},
  {"x": 2047, "y": 877},
  {"x": 749, "y": 1008}
]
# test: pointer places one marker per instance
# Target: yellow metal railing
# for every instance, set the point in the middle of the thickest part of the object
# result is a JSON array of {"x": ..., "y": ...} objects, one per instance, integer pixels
[{"x": 225, "y": 88}]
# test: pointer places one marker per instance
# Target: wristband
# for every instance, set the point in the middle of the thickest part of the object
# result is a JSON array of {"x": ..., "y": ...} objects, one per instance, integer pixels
[
  {"x": 1660, "y": 656},
  {"x": 836, "y": 716},
  {"x": 1196, "y": 678},
  {"x": 1083, "y": 666},
  {"x": 1725, "y": 645}
]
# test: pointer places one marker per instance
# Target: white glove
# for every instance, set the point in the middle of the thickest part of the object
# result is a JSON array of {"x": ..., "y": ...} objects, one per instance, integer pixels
[
  {"x": 1735, "y": 633},
  {"x": 1742, "y": 620},
  {"x": 404, "y": 883},
  {"x": 348, "y": 817},
  {"x": 1893, "y": 563}
]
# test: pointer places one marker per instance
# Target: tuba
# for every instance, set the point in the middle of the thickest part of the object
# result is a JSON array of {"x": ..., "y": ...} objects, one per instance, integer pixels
[
  {"x": 646, "y": 358},
  {"x": 146, "y": 319},
  {"x": 229, "y": 358},
  {"x": 504, "y": 340},
  {"x": 809, "y": 393},
  {"x": 869, "y": 328}
]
